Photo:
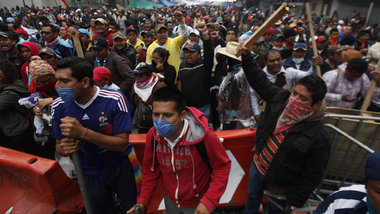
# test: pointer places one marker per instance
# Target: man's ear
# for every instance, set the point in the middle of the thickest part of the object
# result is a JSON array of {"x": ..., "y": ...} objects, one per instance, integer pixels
[
  {"x": 183, "y": 115},
  {"x": 86, "y": 82},
  {"x": 317, "y": 104}
]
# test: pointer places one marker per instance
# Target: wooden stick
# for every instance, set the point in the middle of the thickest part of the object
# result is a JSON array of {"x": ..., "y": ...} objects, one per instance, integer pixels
[
  {"x": 280, "y": 12},
  {"x": 77, "y": 44},
  {"x": 368, "y": 96},
  {"x": 311, "y": 28}
]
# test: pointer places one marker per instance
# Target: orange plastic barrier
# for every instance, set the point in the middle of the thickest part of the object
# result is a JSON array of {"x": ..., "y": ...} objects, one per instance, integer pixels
[
  {"x": 37, "y": 185},
  {"x": 30, "y": 184},
  {"x": 239, "y": 143}
]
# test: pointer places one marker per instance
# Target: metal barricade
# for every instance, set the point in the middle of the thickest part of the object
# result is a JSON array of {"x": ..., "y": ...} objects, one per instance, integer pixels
[{"x": 353, "y": 139}]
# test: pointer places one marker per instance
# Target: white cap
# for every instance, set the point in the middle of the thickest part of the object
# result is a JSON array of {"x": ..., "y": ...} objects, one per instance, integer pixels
[
  {"x": 195, "y": 31},
  {"x": 341, "y": 22}
]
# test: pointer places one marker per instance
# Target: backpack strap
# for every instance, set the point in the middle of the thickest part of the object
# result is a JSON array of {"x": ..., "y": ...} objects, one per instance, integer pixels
[{"x": 203, "y": 153}]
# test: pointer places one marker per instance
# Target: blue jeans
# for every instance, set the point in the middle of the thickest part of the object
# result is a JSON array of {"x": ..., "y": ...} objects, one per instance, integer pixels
[
  {"x": 206, "y": 110},
  {"x": 256, "y": 187}
]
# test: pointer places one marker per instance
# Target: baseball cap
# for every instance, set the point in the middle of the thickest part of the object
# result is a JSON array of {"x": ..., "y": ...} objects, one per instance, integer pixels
[
  {"x": 293, "y": 24},
  {"x": 148, "y": 33},
  {"x": 300, "y": 46},
  {"x": 159, "y": 27},
  {"x": 99, "y": 43},
  {"x": 100, "y": 73},
  {"x": 195, "y": 31},
  {"x": 259, "y": 40},
  {"x": 101, "y": 20},
  {"x": 10, "y": 20},
  {"x": 192, "y": 46},
  {"x": 118, "y": 35},
  {"x": 277, "y": 36},
  {"x": 372, "y": 166},
  {"x": 142, "y": 68},
  {"x": 5, "y": 34},
  {"x": 47, "y": 51},
  {"x": 21, "y": 31},
  {"x": 321, "y": 38},
  {"x": 84, "y": 31},
  {"x": 270, "y": 31},
  {"x": 131, "y": 29}
]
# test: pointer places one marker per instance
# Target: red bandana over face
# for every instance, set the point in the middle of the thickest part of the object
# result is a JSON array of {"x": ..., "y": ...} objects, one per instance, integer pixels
[{"x": 294, "y": 112}]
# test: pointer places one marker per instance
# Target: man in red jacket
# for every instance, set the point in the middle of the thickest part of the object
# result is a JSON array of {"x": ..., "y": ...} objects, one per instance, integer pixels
[
  {"x": 102, "y": 30},
  {"x": 187, "y": 153}
]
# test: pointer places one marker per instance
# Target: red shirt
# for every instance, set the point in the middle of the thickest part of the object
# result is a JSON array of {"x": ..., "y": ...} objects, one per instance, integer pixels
[{"x": 108, "y": 36}]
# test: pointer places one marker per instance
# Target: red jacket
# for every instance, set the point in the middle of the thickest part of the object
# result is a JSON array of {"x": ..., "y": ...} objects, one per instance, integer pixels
[
  {"x": 25, "y": 67},
  {"x": 189, "y": 181},
  {"x": 108, "y": 36}
]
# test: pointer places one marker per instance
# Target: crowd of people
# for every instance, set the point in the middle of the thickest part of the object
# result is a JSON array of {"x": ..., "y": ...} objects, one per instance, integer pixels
[{"x": 174, "y": 74}]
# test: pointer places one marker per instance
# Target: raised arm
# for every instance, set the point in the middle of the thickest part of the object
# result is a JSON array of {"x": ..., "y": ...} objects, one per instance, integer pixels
[{"x": 258, "y": 79}]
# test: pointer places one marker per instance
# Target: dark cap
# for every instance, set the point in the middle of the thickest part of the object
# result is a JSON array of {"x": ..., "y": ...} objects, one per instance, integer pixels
[
  {"x": 278, "y": 36},
  {"x": 99, "y": 43},
  {"x": 259, "y": 41},
  {"x": 300, "y": 46},
  {"x": 143, "y": 68},
  {"x": 47, "y": 51},
  {"x": 5, "y": 34},
  {"x": 159, "y": 27},
  {"x": 372, "y": 166},
  {"x": 288, "y": 32},
  {"x": 148, "y": 33},
  {"x": 131, "y": 29},
  {"x": 191, "y": 46}
]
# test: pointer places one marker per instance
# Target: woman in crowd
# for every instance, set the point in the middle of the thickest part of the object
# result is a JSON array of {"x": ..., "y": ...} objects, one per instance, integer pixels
[
  {"x": 145, "y": 85},
  {"x": 161, "y": 66}
]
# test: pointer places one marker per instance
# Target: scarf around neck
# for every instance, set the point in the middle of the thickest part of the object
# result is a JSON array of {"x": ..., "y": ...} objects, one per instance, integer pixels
[
  {"x": 144, "y": 90},
  {"x": 52, "y": 44}
]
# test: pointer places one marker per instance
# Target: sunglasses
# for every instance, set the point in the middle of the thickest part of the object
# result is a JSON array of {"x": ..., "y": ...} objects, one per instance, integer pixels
[{"x": 45, "y": 32}]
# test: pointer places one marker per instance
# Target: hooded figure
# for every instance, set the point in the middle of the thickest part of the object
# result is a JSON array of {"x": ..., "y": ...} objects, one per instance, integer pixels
[
  {"x": 27, "y": 50},
  {"x": 42, "y": 78},
  {"x": 234, "y": 93}
]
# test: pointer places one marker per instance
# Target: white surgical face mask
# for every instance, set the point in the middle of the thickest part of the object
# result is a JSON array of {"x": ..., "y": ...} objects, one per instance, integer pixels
[
  {"x": 298, "y": 61},
  {"x": 276, "y": 48}
]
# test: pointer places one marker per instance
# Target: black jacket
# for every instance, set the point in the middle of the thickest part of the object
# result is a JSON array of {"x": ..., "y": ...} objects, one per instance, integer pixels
[
  {"x": 168, "y": 71},
  {"x": 195, "y": 79},
  {"x": 121, "y": 72},
  {"x": 305, "y": 65},
  {"x": 128, "y": 52},
  {"x": 298, "y": 166}
]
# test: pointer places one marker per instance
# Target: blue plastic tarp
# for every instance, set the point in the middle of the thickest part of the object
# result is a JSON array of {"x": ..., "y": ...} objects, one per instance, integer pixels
[{"x": 167, "y": 3}]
